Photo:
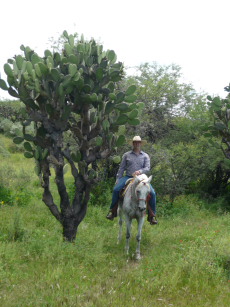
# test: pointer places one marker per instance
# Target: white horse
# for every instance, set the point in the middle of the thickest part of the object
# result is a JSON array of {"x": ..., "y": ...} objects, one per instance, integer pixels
[{"x": 134, "y": 206}]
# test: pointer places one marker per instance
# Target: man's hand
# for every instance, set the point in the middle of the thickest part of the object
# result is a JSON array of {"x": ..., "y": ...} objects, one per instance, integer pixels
[{"x": 136, "y": 173}]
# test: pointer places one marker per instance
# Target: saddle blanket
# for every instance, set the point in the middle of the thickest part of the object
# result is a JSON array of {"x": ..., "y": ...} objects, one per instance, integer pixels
[{"x": 127, "y": 184}]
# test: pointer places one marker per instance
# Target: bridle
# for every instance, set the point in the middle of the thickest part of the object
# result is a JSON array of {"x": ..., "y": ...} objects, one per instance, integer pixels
[{"x": 136, "y": 193}]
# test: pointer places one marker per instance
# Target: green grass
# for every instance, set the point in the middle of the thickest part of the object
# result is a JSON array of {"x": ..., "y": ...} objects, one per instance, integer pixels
[{"x": 185, "y": 259}]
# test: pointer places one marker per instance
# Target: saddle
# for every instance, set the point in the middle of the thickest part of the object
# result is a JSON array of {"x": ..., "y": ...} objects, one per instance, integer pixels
[{"x": 127, "y": 184}]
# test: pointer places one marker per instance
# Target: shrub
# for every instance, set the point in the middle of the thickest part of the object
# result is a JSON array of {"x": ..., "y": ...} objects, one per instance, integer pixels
[
  {"x": 12, "y": 129},
  {"x": 101, "y": 194},
  {"x": 183, "y": 205},
  {"x": 23, "y": 197},
  {"x": 6, "y": 196},
  {"x": 5, "y": 125}
]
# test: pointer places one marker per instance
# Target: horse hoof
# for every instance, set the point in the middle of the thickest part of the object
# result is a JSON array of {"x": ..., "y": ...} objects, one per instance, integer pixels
[{"x": 138, "y": 257}]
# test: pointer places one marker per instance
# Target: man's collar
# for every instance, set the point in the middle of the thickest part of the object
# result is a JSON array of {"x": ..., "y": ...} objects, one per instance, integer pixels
[{"x": 141, "y": 152}]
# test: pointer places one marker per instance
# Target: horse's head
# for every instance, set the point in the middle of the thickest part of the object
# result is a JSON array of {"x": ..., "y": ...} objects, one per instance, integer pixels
[{"x": 142, "y": 190}]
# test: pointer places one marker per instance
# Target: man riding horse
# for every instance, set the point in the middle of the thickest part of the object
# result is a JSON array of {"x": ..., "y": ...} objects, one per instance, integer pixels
[{"x": 134, "y": 162}]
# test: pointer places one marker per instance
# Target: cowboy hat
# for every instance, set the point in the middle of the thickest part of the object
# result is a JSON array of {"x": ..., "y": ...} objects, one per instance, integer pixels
[{"x": 137, "y": 138}]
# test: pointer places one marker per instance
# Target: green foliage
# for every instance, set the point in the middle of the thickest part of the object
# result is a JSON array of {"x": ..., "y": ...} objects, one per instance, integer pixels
[
  {"x": 76, "y": 157},
  {"x": 18, "y": 140},
  {"x": 121, "y": 140},
  {"x": 28, "y": 155},
  {"x": 160, "y": 90},
  {"x": 190, "y": 241},
  {"x": 12, "y": 119},
  {"x": 130, "y": 90},
  {"x": 64, "y": 86},
  {"x": 185, "y": 159},
  {"x": 72, "y": 92},
  {"x": 182, "y": 206},
  {"x": 3, "y": 151},
  {"x": 116, "y": 159},
  {"x": 101, "y": 194},
  {"x": 3, "y": 85},
  {"x": 14, "y": 179},
  {"x": 6, "y": 196},
  {"x": 193, "y": 248},
  {"x": 95, "y": 61},
  {"x": 12, "y": 197},
  {"x": 220, "y": 111},
  {"x": 175, "y": 168},
  {"x": 16, "y": 231},
  {"x": 9, "y": 128}
]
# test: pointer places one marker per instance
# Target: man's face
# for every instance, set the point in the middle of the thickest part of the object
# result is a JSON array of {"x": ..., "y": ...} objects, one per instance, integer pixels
[{"x": 136, "y": 145}]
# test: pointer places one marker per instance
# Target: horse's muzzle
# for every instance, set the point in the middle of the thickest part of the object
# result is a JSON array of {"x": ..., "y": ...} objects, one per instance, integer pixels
[{"x": 142, "y": 208}]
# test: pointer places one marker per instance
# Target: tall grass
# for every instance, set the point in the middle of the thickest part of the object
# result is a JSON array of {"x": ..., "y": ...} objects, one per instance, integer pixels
[{"x": 185, "y": 259}]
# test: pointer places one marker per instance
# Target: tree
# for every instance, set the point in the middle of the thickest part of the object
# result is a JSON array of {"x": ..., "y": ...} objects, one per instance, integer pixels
[
  {"x": 220, "y": 110},
  {"x": 76, "y": 92},
  {"x": 164, "y": 94},
  {"x": 219, "y": 129},
  {"x": 184, "y": 160}
]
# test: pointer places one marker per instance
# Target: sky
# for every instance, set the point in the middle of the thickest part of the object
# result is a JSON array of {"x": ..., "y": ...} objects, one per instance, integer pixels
[{"x": 193, "y": 34}]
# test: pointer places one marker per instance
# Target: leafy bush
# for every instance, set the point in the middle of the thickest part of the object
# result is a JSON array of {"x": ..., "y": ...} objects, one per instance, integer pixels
[
  {"x": 16, "y": 129},
  {"x": 12, "y": 129},
  {"x": 6, "y": 196},
  {"x": 183, "y": 205},
  {"x": 23, "y": 196},
  {"x": 101, "y": 194},
  {"x": 5, "y": 125},
  {"x": 13, "y": 110},
  {"x": 19, "y": 197}
]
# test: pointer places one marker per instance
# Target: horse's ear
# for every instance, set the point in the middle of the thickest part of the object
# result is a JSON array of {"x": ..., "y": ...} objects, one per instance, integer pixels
[{"x": 150, "y": 178}]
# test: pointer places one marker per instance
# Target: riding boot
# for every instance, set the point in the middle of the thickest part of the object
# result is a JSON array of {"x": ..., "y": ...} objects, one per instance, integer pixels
[
  {"x": 151, "y": 216},
  {"x": 112, "y": 213}
]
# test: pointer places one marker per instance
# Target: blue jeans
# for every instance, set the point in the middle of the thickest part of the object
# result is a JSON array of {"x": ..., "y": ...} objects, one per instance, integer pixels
[{"x": 120, "y": 185}]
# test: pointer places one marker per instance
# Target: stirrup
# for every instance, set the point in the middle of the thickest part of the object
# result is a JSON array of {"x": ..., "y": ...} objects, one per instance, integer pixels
[
  {"x": 110, "y": 216},
  {"x": 152, "y": 220}
]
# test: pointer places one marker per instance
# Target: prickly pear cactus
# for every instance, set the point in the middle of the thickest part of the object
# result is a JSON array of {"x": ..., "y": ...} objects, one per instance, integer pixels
[
  {"x": 76, "y": 91},
  {"x": 81, "y": 80}
]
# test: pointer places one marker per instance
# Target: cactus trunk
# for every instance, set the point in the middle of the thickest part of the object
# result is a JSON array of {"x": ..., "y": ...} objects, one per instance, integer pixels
[
  {"x": 71, "y": 219},
  {"x": 70, "y": 229}
]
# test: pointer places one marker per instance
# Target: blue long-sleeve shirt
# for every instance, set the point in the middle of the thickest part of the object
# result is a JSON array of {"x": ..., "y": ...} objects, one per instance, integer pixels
[{"x": 132, "y": 162}]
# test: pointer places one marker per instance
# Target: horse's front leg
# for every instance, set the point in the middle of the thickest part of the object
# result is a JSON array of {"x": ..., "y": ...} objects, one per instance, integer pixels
[
  {"x": 128, "y": 233},
  {"x": 138, "y": 237},
  {"x": 120, "y": 225}
]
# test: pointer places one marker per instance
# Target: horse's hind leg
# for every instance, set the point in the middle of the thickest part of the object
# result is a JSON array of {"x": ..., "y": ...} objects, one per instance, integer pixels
[
  {"x": 138, "y": 237},
  {"x": 120, "y": 226},
  {"x": 128, "y": 234}
]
